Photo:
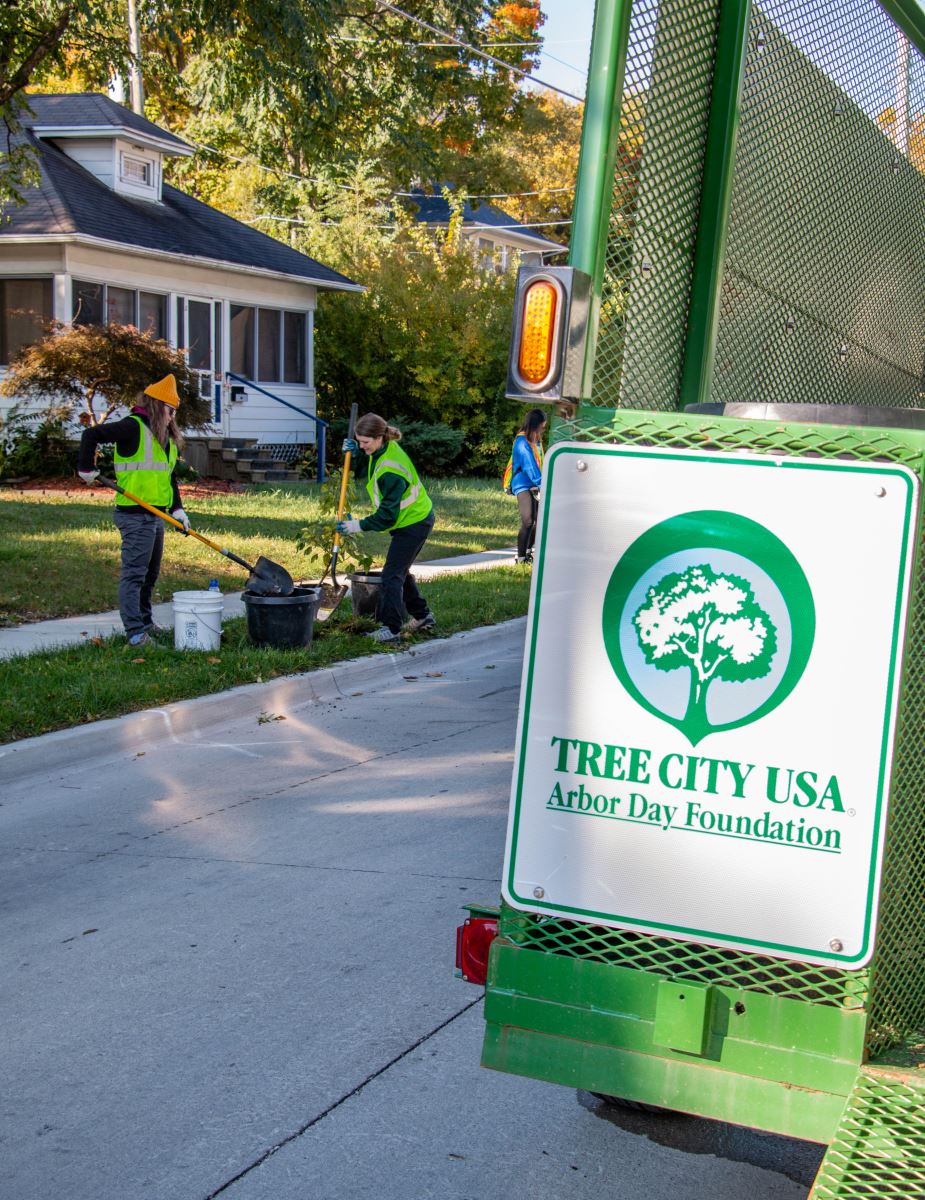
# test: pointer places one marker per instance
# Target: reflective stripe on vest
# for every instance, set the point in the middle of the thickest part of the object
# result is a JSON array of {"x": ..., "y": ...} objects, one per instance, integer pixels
[
  {"x": 151, "y": 467},
  {"x": 415, "y": 504}
]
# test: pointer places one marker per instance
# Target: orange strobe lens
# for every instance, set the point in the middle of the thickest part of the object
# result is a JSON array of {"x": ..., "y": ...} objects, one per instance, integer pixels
[{"x": 537, "y": 330}]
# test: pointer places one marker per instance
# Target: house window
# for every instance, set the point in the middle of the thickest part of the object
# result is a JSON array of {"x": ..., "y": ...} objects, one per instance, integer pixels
[
  {"x": 270, "y": 340},
  {"x": 152, "y": 314},
  {"x": 25, "y": 306},
  {"x": 217, "y": 339},
  {"x": 88, "y": 303},
  {"x": 268, "y": 324},
  {"x": 137, "y": 170},
  {"x": 243, "y": 325},
  {"x": 294, "y": 347},
  {"x": 199, "y": 348},
  {"x": 120, "y": 306},
  {"x": 105, "y": 304}
]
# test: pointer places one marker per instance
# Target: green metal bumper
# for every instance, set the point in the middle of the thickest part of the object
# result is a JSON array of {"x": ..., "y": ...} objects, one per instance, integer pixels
[{"x": 770, "y": 1062}]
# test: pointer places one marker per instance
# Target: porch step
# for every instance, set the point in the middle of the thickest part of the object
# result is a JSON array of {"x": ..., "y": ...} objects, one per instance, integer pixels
[
  {"x": 241, "y": 460},
  {"x": 274, "y": 476}
]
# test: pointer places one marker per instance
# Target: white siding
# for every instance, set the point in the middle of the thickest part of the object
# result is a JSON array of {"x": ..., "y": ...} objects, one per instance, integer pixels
[
  {"x": 268, "y": 421},
  {"x": 95, "y": 155}
]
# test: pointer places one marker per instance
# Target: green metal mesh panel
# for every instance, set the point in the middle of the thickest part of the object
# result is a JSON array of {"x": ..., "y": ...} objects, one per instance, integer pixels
[
  {"x": 894, "y": 988},
  {"x": 823, "y": 294},
  {"x": 653, "y": 217},
  {"x": 878, "y": 1151},
  {"x": 823, "y": 297},
  {"x": 689, "y": 961}
]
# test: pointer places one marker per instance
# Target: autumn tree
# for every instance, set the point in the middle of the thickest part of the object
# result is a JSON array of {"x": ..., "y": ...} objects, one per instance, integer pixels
[{"x": 95, "y": 369}]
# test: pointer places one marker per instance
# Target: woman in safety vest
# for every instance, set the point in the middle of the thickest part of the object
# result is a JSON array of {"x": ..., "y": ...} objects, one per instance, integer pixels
[
  {"x": 406, "y": 511},
  {"x": 527, "y": 474},
  {"x": 146, "y": 441}
]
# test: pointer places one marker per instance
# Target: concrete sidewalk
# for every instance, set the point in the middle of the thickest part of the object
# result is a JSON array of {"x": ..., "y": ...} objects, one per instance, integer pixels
[{"x": 68, "y": 631}]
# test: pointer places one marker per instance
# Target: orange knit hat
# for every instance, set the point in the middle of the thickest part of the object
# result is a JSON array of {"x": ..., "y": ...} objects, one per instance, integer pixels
[{"x": 165, "y": 390}]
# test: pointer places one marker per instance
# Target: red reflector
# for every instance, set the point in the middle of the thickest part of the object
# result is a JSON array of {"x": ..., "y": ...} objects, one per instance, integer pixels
[{"x": 473, "y": 940}]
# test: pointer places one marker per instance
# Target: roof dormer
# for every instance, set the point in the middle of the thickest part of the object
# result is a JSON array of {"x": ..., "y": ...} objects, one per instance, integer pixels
[{"x": 121, "y": 149}]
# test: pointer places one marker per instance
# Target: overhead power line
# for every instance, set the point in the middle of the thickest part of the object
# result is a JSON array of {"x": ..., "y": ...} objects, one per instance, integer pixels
[
  {"x": 394, "y": 225},
  {"x": 475, "y": 50},
  {"x": 349, "y": 187}
]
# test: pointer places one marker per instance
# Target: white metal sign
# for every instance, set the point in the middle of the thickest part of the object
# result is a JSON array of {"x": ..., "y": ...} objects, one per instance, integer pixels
[{"x": 709, "y": 693}]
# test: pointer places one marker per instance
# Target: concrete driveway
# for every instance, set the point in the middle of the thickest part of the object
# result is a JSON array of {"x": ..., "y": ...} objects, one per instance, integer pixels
[{"x": 227, "y": 936}]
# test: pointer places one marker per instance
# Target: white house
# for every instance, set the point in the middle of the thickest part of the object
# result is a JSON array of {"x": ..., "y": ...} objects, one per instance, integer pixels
[
  {"x": 499, "y": 242},
  {"x": 103, "y": 238}
]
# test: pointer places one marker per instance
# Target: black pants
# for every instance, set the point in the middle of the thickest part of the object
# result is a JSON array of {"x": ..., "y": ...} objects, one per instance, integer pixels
[
  {"x": 142, "y": 547},
  {"x": 399, "y": 592},
  {"x": 528, "y": 505}
]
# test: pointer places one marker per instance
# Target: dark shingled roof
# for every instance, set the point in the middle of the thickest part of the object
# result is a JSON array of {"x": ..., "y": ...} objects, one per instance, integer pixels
[
  {"x": 91, "y": 108},
  {"x": 70, "y": 200},
  {"x": 435, "y": 210}
]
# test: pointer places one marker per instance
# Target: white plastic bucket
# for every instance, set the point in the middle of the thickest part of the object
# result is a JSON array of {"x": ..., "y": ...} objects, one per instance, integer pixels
[{"x": 197, "y": 620}]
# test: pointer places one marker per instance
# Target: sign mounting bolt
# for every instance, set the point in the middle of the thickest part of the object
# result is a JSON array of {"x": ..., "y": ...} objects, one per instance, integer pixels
[
  {"x": 581, "y": 465},
  {"x": 837, "y": 945},
  {"x": 881, "y": 492},
  {"x": 539, "y": 893}
]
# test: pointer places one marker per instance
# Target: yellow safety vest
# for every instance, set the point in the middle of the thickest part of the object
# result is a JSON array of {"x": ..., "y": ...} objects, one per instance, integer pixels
[
  {"x": 415, "y": 504},
  {"x": 147, "y": 473}
]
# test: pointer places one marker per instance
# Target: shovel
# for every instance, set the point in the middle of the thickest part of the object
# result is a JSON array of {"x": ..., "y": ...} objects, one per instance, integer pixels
[
  {"x": 267, "y": 578},
  {"x": 339, "y": 590}
]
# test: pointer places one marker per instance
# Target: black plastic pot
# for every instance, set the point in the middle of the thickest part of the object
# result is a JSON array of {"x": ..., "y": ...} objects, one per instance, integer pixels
[
  {"x": 364, "y": 592},
  {"x": 282, "y": 621}
]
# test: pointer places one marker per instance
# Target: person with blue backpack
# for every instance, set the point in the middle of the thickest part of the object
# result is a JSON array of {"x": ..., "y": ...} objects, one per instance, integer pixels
[{"x": 526, "y": 474}]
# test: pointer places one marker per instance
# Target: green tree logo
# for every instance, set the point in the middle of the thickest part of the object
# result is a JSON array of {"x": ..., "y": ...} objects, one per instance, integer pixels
[
  {"x": 710, "y": 624},
  {"x": 708, "y": 621}
]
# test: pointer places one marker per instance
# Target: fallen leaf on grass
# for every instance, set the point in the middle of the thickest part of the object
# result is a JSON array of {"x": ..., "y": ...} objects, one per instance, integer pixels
[
  {"x": 137, "y": 660},
  {"x": 265, "y": 718},
  {"x": 212, "y": 659},
  {"x": 97, "y": 641}
]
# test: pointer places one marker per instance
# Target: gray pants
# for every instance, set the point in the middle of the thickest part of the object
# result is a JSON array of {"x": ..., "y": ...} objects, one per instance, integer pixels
[{"x": 142, "y": 547}]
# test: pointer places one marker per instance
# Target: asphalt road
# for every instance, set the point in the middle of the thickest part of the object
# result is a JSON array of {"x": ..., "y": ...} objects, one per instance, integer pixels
[{"x": 227, "y": 962}]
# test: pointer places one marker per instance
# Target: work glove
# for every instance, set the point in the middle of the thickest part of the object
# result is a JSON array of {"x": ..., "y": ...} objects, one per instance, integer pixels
[
  {"x": 352, "y": 445},
  {"x": 349, "y": 525},
  {"x": 179, "y": 515},
  {"x": 88, "y": 476}
]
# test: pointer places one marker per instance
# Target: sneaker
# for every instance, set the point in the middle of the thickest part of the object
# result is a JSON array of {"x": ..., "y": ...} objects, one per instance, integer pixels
[
  {"x": 422, "y": 624},
  {"x": 383, "y": 634},
  {"x": 155, "y": 630},
  {"x": 139, "y": 639}
]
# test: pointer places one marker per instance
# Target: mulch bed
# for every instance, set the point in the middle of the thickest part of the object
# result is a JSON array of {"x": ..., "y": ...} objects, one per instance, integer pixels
[{"x": 201, "y": 488}]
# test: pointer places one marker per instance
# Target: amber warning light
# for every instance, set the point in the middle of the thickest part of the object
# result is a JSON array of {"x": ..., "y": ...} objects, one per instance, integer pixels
[{"x": 538, "y": 326}]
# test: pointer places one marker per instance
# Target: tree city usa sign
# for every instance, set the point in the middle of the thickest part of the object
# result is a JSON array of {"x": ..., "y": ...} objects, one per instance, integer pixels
[{"x": 709, "y": 694}]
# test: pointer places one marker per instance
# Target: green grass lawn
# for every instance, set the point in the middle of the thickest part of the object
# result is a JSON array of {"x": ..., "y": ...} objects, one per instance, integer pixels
[
  {"x": 60, "y": 688},
  {"x": 59, "y": 551}
]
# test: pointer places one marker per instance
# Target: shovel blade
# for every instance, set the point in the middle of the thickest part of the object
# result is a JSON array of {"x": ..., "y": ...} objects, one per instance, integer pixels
[
  {"x": 269, "y": 579},
  {"x": 331, "y": 601}
]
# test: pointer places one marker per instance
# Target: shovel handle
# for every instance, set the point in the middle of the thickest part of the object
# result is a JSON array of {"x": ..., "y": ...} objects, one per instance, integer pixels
[
  {"x": 345, "y": 475},
  {"x": 111, "y": 483}
]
